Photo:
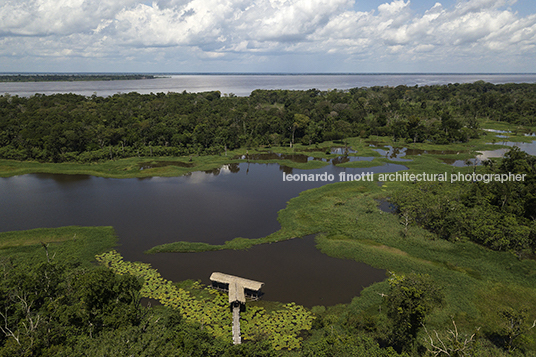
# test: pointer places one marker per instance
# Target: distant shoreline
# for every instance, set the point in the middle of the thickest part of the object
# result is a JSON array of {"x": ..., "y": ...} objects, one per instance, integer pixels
[
  {"x": 19, "y": 77},
  {"x": 150, "y": 75}
]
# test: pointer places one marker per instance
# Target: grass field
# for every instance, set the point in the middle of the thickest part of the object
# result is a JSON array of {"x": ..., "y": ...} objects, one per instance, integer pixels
[{"x": 70, "y": 243}]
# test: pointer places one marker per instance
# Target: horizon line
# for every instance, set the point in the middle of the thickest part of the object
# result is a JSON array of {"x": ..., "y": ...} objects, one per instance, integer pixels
[{"x": 266, "y": 73}]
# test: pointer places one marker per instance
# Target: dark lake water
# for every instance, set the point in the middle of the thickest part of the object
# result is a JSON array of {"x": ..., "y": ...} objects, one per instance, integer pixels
[
  {"x": 244, "y": 84},
  {"x": 242, "y": 202}
]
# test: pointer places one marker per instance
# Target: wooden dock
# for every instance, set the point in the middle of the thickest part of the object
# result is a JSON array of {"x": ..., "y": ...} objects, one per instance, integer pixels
[
  {"x": 237, "y": 288},
  {"x": 236, "y": 325}
]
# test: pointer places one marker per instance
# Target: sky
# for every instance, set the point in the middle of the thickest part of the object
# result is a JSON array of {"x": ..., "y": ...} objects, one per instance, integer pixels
[{"x": 268, "y": 36}]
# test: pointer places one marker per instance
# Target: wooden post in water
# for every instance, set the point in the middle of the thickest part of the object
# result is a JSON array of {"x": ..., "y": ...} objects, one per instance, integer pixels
[{"x": 235, "y": 286}]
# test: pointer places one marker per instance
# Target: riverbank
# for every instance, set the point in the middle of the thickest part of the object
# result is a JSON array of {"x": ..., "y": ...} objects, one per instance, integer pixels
[{"x": 351, "y": 153}]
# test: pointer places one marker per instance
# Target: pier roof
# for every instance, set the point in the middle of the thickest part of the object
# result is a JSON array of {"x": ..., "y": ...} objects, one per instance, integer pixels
[{"x": 236, "y": 285}]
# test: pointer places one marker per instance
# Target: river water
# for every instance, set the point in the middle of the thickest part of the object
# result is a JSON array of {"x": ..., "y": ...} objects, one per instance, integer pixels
[
  {"x": 238, "y": 202},
  {"x": 244, "y": 84}
]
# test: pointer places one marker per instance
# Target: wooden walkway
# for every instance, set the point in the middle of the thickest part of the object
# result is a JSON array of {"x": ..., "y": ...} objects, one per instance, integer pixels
[
  {"x": 236, "y": 287},
  {"x": 236, "y": 325}
]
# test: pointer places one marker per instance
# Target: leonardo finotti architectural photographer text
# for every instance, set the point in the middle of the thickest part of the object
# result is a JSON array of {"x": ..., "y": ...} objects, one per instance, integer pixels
[{"x": 405, "y": 176}]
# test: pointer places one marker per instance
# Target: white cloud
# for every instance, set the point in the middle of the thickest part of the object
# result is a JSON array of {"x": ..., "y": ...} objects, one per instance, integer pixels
[
  {"x": 62, "y": 17},
  {"x": 228, "y": 29}
]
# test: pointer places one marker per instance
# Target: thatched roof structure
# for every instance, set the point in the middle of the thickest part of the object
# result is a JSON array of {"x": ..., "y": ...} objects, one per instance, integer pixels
[{"x": 236, "y": 285}]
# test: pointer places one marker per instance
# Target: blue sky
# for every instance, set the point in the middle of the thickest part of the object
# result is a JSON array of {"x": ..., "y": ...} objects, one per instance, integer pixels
[{"x": 460, "y": 36}]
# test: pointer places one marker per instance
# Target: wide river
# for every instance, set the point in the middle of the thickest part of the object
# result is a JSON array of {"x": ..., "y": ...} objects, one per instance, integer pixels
[
  {"x": 244, "y": 84},
  {"x": 241, "y": 201}
]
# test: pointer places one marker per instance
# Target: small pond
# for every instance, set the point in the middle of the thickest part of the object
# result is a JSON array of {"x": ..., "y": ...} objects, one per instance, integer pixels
[
  {"x": 393, "y": 153},
  {"x": 397, "y": 153},
  {"x": 529, "y": 148}
]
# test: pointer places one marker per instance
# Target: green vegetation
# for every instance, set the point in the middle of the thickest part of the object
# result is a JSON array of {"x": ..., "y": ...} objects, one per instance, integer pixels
[
  {"x": 280, "y": 327},
  {"x": 55, "y": 302},
  {"x": 411, "y": 298},
  {"x": 71, "y": 77},
  {"x": 460, "y": 256},
  {"x": 479, "y": 285},
  {"x": 75, "y": 128},
  {"x": 78, "y": 244},
  {"x": 496, "y": 214},
  {"x": 144, "y": 167}
]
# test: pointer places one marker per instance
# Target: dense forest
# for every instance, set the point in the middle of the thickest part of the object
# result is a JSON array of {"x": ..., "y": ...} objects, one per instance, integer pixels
[
  {"x": 70, "y": 127},
  {"x": 498, "y": 215}
]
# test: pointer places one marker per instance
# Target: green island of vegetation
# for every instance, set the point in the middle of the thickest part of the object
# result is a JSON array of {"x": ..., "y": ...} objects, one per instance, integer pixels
[
  {"x": 462, "y": 276},
  {"x": 71, "y": 77}
]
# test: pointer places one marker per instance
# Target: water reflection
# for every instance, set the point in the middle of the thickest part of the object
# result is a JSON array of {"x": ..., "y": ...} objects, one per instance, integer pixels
[
  {"x": 397, "y": 153},
  {"x": 498, "y": 131},
  {"x": 154, "y": 164},
  {"x": 299, "y": 158},
  {"x": 64, "y": 179},
  {"x": 462, "y": 163},
  {"x": 393, "y": 153},
  {"x": 343, "y": 150},
  {"x": 303, "y": 159},
  {"x": 529, "y": 148},
  {"x": 385, "y": 206},
  {"x": 417, "y": 152},
  {"x": 345, "y": 159},
  {"x": 375, "y": 143},
  {"x": 241, "y": 200}
]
